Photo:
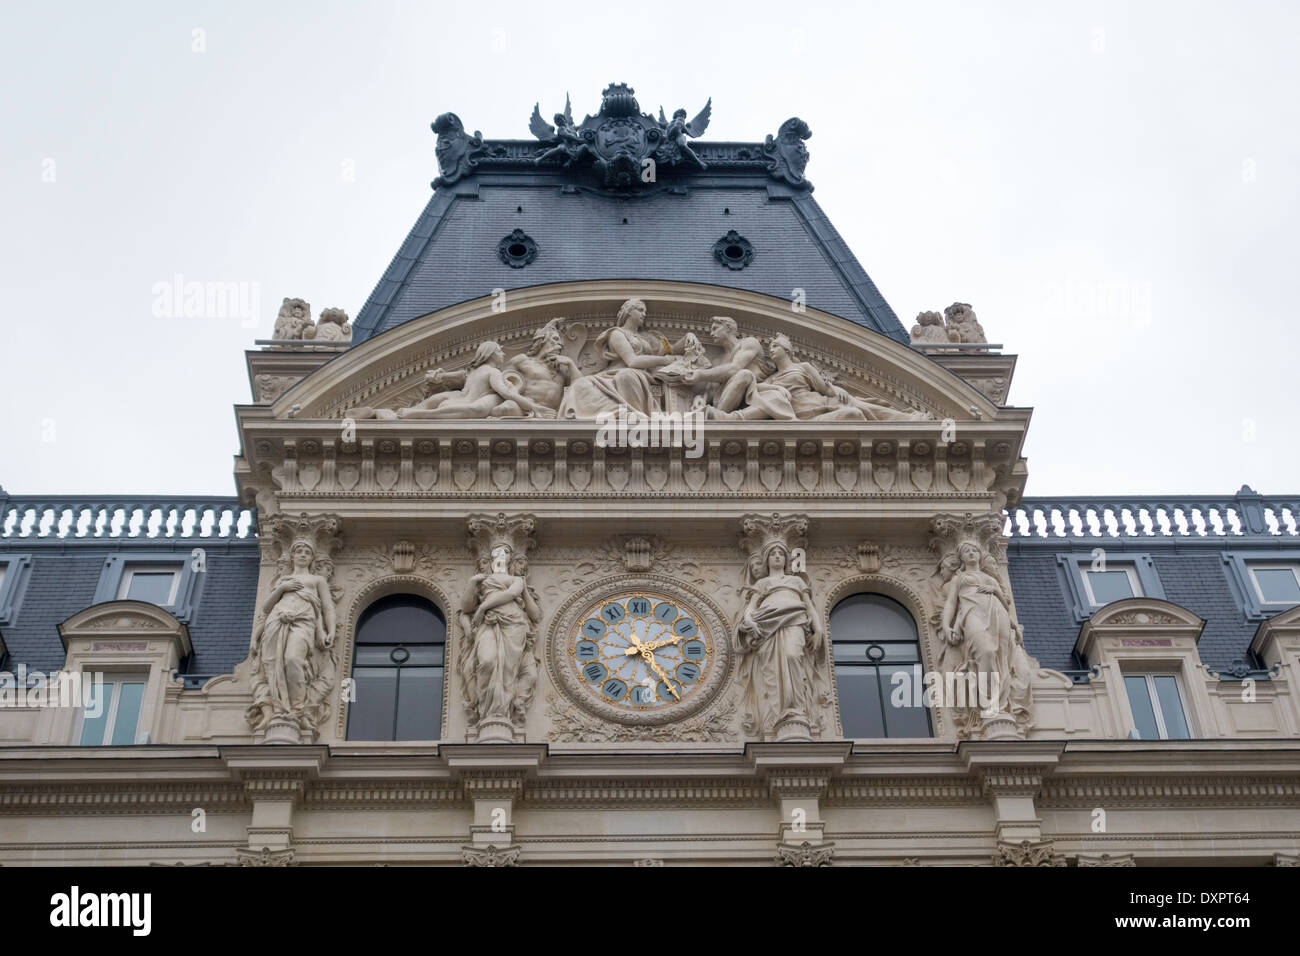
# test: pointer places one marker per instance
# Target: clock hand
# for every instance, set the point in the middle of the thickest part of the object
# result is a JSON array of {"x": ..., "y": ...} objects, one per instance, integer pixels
[
  {"x": 654, "y": 645},
  {"x": 649, "y": 658}
]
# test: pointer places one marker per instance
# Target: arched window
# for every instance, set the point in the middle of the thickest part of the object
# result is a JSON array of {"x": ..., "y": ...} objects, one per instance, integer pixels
[
  {"x": 874, "y": 638},
  {"x": 397, "y": 671}
]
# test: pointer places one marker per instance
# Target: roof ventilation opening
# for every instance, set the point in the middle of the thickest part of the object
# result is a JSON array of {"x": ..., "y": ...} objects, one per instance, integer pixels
[
  {"x": 726, "y": 210},
  {"x": 519, "y": 209},
  {"x": 517, "y": 249},
  {"x": 733, "y": 250},
  {"x": 625, "y": 220}
]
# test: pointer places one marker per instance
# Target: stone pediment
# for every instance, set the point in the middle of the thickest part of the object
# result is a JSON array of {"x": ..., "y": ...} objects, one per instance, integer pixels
[
  {"x": 388, "y": 369},
  {"x": 123, "y": 620},
  {"x": 784, "y": 404}
]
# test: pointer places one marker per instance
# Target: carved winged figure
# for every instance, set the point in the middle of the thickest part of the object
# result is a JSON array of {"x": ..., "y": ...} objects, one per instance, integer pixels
[
  {"x": 569, "y": 144},
  {"x": 676, "y": 131}
]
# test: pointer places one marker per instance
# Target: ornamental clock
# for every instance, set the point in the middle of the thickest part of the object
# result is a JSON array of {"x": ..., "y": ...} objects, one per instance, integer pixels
[{"x": 643, "y": 653}]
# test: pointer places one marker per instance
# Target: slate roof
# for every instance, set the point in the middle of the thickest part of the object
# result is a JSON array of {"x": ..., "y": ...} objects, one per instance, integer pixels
[
  {"x": 62, "y": 581},
  {"x": 583, "y": 232}
]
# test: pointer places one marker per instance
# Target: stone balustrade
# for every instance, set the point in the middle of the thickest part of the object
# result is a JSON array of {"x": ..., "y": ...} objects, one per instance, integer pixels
[
  {"x": 124, "y": 516},
  {"x": 1187, "y": 516}
]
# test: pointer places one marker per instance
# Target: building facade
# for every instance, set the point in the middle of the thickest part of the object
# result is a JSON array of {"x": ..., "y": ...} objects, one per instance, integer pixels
[{"x": 628, "y": 525}]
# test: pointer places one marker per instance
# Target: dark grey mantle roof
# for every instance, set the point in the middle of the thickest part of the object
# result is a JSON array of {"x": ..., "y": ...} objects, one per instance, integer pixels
[{"x": 665, "y": 230}]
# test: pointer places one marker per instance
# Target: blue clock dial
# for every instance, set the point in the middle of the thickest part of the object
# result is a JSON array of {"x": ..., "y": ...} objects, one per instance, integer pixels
[{"x": 640, "y": 651}]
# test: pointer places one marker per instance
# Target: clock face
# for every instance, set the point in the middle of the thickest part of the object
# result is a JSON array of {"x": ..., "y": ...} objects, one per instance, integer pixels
[{"x": 640, "y": 651}]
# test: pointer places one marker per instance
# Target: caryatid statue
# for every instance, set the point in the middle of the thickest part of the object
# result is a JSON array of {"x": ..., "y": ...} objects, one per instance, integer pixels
[
  {"x": 292, "y": 647},
  {"x": 983, "y": 644},
  {"x": 783, "y": 667},
  {"x": 499, "y": 614}
]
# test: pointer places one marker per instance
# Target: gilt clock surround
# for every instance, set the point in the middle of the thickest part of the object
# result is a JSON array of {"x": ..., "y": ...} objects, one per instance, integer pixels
[{"x": 676, "y": 602}]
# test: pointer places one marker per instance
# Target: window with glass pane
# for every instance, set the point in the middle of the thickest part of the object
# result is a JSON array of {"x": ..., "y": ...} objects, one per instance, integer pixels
[
  {"x": 112, "y": 711},
  {"x": 1277, "y": 585},
  {"x": 151, "y": 585},
  {"x": 873, "y": 637},
  {"x": 1157, "y": 707},
  {"x": 1112, "y": 585},
  {"x": 397, "y": 671}
]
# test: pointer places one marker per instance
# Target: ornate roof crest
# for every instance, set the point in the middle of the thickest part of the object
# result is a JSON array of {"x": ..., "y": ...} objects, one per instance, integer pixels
[{"x": 623, "y": 144}]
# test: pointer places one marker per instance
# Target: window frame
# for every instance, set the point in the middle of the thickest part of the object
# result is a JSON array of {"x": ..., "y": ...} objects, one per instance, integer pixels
[
  {"x": 116, "y": 679},
  {"x": 1073, "y": 564},
  {"x": 1157, "y": 708},
  {"x": 875, "y": 665},
  {"x": 1239, "y": 565},
  {"x": 185, "y": 588},
  {"x": 17, "y": 571},
  {"x": 1254, "y": 566},
  {"x": 131, "y": 569},
  {"x": 1130, "y": 571},
  {"x": 356, "y": 647}
]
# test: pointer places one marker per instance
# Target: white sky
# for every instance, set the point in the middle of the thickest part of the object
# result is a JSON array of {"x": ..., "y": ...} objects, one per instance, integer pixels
[{"x": 1112, "y": 186}]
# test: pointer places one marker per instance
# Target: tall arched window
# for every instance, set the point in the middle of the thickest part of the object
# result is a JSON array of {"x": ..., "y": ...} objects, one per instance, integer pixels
[
  {"x": 874, "y": 638},
  {"x": 397, "y": 671}
]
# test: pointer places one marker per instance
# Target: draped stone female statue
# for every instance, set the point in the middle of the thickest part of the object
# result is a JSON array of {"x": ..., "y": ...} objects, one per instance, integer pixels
[
  {"x": 783, "y": 646},
  {"x": 977, "y": 625},
  {"x": 631, "y": 355},
  {"x": 291, "y": 647},
  {"x": 498, "y": 663}
]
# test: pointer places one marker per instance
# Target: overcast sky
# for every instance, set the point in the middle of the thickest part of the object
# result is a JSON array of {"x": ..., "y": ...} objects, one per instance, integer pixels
[{"x": 1112, "y": 186}]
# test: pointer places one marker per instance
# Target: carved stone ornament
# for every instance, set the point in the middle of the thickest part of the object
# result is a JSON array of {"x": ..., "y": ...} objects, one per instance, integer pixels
[
  {"x": 498, "y": 619},
  {"x": 983, "y": 643},
  {"x": 292, "y": 647},
  {"x": 784, "y": 668},
  {"x": 1106, "y": 859},
  {"x": 490, "y": 855},
  {"x": 787, "y": 156},
  {"x": 805, "y": 854},
  {"x": 1027, "y": 853},
  {"x": 293, "y": 321},
  {"x": 456, "y": 150},
  {"x": 517, "y": 249},
  {"x": 734, "y": 251},
  {"x": 332, "y": 326},
  {"x": 622, "y": 144},
  {"x": 265, "y": 857}
]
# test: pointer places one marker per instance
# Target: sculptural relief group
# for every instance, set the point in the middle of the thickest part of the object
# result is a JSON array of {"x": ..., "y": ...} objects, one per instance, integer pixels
[
  {"x": 784, "y": 680},
  {"x": 643, "y": 373}
]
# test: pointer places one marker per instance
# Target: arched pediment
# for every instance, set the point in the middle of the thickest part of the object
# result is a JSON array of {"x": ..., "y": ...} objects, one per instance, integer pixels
[
  {"x": 1138, "y": 618},
  {"x": 116, "y": 619},
  {"x": 388, "y": 371}
]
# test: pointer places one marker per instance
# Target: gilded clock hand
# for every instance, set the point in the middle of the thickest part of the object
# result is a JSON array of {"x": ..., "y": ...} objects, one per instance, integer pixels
[
  {"x": 654, "y": 645},
  {"x": 649, "y": 658}
]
